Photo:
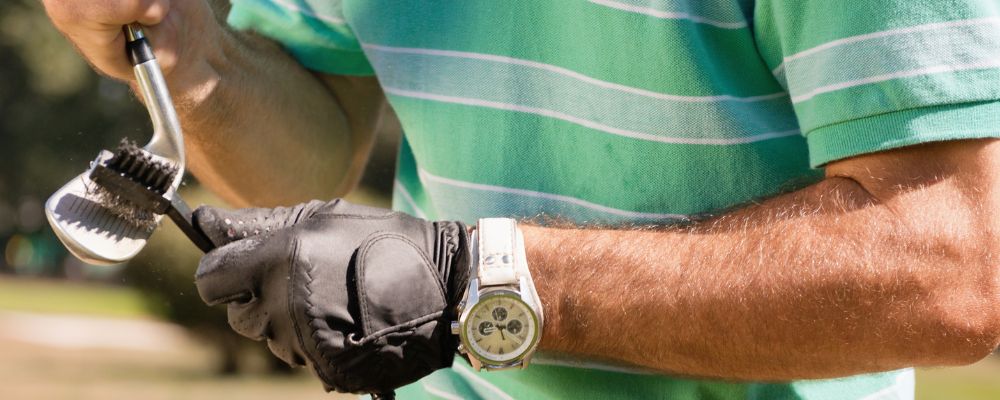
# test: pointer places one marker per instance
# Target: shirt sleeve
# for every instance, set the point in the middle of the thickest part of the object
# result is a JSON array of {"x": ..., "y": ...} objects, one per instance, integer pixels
[
  {"x": 872, "y": 75},
  {"x": 315, "y": 32}
]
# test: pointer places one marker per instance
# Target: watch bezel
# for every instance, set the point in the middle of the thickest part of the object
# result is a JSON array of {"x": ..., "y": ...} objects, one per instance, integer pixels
[{"x": 488, "y": 362}]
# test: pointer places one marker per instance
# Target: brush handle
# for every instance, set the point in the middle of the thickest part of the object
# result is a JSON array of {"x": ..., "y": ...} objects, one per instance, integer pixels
[
  {"x": 124, "y": 190},
  {"x": 180, "y": 213}
]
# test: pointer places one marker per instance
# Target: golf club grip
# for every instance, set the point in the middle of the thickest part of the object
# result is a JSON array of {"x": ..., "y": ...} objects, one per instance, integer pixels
[{"x": 136, "y": 45}]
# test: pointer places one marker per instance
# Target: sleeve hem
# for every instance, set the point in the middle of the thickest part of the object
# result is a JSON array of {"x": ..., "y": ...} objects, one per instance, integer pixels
[
  {"x": 903, "y": 128},
  {"x": 329, "y": 61},
  {"x": 327, "y": 53}
]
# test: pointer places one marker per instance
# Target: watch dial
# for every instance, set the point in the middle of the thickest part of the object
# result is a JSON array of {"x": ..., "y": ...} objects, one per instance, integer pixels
[
  {"x": 486, "y": 328},
  {"x": 500, "y": 328}
]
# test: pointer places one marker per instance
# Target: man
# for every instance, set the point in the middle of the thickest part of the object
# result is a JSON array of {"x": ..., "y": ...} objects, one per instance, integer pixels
[{"x": 670, "y": 121}]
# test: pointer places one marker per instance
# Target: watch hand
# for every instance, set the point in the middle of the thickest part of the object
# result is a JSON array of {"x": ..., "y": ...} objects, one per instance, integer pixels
[{"x": 501, "y": 328}]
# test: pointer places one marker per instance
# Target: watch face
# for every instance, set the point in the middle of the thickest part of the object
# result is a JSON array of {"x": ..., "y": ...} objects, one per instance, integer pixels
[{"x": 500, "y": 328}]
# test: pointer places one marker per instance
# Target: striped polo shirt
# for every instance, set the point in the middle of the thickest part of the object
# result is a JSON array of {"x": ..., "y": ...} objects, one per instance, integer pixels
[{"x": 645, "y": 111}]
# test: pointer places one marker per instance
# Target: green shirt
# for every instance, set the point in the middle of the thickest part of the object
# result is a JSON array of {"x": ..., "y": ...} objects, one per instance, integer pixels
[{"x": 645, "y": 111}]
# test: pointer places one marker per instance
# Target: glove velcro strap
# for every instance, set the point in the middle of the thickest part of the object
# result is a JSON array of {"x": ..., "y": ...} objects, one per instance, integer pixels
[{"x": 396, "y": 283}]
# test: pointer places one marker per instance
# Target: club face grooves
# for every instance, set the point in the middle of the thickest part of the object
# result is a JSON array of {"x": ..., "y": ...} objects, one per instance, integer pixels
[{"x": 89, "y": 230}]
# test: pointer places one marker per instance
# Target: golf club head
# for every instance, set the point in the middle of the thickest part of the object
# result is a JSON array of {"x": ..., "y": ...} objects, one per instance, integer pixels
[
  {"x": 88, "y": 229},
  {"x": 91, "y": 226}
]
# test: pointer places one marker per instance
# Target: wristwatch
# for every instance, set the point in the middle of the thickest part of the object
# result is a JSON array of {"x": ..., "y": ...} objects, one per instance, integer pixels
[{"x": 500, "y": 320}]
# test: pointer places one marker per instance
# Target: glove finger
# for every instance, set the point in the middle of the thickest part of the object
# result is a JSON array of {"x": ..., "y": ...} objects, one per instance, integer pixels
[
  {"x": 252, "y": 320},
  {"x": 224, "y": 226},
  {"x": 289, "y": 356},
  {"x": 248, "y": 319},
  {"x": 233, "y": 273}
]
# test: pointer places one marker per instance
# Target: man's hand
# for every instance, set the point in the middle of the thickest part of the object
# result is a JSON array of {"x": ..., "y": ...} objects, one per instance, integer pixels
[
  {"x": 362, "y": 295},
  {"x": 178, "y": 28}
]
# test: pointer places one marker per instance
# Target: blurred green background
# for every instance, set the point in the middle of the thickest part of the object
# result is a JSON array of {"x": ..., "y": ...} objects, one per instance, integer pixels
[{"x": 139, "y": 330}]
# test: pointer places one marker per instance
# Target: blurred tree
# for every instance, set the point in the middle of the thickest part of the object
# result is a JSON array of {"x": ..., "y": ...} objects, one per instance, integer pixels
[{"x": 55, "y": 113}]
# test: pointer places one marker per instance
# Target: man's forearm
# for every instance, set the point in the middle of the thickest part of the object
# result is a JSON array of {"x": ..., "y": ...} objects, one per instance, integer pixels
[
  {"x": 827, "y": 281},
  {"x": 262, "y": 130}
]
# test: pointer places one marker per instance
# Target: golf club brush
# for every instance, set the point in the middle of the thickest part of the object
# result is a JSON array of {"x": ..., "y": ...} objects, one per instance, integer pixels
[{"x": 106, "y": 214}]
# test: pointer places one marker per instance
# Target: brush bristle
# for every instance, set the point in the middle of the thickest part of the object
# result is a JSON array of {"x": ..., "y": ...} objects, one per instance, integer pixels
[
  {"x": 123, "y": 208},
  {"x": 135, "y": 163},
  {"x": 134, "y": 171}
]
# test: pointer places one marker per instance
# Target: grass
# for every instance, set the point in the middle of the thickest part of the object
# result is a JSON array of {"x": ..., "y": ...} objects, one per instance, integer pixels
[
  {"x": 979, "y": 381},
  {"x": 46, "y": 373},
  {"x": 62, "y": 297},
  {"x": 180, "y": 371}
]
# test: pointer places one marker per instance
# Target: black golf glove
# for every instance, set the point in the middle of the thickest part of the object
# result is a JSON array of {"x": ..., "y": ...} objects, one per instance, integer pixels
[{"x": 363, "y": 295}]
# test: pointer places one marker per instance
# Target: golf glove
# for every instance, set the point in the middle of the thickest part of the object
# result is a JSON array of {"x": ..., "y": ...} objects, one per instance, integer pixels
[{"x": 362, "y": 295}]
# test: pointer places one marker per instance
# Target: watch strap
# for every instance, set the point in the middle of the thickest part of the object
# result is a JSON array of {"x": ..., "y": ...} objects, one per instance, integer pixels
[{"x": 498, "y": 251}]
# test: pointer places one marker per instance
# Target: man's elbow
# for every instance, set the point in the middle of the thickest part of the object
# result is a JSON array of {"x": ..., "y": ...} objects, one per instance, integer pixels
[
  {"x": 941, "y": 231},
  {"x": 964, "y": 313},
  {"x": 964, "y": 336},
  {"x": 949, "y": 282}
]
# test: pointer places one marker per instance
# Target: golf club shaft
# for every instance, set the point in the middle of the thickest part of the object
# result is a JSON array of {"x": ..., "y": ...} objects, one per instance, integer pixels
[{"x": 167, "y": 140}]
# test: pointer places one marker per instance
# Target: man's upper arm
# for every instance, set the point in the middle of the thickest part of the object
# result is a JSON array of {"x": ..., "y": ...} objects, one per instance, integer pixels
[
  {"x": 965, "y": 172},
  {"x": 317, "y": 35},
  {"x": 315, "y": 32},
  {"x": 363, "y": 102}
]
